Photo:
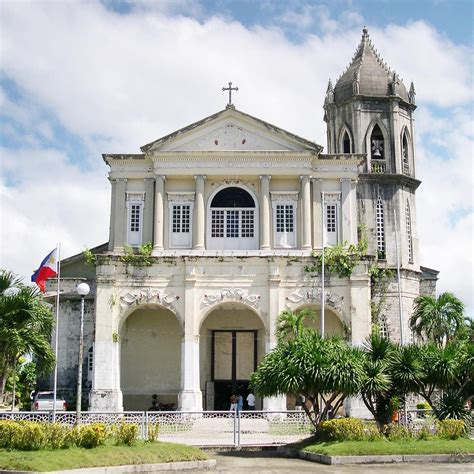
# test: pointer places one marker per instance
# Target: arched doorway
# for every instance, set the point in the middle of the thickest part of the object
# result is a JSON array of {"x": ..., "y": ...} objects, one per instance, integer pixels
[
  {"x": 150, "y": 357},
  {"x": 232, "y": 343}
]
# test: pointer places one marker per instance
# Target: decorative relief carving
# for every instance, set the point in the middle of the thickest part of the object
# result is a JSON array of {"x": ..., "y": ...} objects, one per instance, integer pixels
[
  {"x": 149, "y": 295},
  {"x": 232, "y": 182},
  {"x": 180, "y": 197},
  {"x": 235, "y": 164},
  {"x": 313, "y": 295},
  {"x": 231, "y": 294},
  {"x": 135, "y": 195},
  {"x": 332, "y": 198},
  {"x": 284, "y": 196}
]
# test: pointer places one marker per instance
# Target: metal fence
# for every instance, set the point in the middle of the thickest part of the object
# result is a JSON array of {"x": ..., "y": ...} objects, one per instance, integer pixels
[{"x": 199, "y": 428}]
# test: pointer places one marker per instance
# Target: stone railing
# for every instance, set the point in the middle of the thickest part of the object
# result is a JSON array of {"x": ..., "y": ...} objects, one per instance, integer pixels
[{"x": 378, "y": 167}]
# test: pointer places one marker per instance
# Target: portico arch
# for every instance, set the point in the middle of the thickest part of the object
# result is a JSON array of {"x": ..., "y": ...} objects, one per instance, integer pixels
[
  {"x": 232, "y": 343},
  {"x": 150, "y": 356}
]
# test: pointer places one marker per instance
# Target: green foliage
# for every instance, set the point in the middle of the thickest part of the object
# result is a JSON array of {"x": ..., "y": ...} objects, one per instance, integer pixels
[
  {"x": 394, "y": 432},
  {"x": 380, "y": 278},
  {"x": 451, "y": 429},
  {"x": 438, "y": 319},
  {"x": 28, "y": 436},
  {"x": 423, "y": 406},
  {"x": 140, "y": 257},
  {"x": 290, "y": 324},
  {"x": 91, "y": 436},
  {"x": 317, "y": 368},
  {"x": 7, "y": 428},
  {"x": 89, "y": 257},
  {"x": 126, "y": 433},
  {"x": 342, "y": 429},
  {"x": 451, "y": 405},
  {"x": 153, "y": 432}
]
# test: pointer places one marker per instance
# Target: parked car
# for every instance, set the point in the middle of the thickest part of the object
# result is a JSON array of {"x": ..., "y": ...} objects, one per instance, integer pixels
[{"x": 44, "y": 401}]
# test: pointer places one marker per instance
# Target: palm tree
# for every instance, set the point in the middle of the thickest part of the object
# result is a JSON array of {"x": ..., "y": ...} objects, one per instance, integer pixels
[
  {"x": 25, "y": 326},
  {"x": 438, "y": 319},
  {"x": 292, "y": 324}
]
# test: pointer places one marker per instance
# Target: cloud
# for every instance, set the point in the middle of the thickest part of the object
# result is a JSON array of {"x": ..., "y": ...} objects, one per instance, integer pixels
[{"x": 114, "y": 80}]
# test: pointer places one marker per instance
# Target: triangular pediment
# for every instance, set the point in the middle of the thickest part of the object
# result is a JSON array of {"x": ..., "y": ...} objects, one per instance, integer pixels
[{"x": 231, "y": 130}]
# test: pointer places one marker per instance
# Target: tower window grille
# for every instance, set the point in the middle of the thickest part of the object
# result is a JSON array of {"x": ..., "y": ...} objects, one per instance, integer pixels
[
  {"x": 383, "y": 328},
  {"x": 380, "y": 228},
  {"x": 409, "y": 232}
]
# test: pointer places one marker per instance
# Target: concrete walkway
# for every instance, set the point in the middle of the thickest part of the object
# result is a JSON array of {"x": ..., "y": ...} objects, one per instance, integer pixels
[{"x": 257, "y": 462}]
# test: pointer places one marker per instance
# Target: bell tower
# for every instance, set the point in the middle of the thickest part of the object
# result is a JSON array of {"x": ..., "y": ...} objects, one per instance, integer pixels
[{"x": 369, "y": 111}]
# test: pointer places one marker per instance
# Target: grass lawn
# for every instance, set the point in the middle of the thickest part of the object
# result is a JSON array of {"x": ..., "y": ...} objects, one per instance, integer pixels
[
  {"x": 405, "y": 446},
  {"x": 107, "y": 455}
]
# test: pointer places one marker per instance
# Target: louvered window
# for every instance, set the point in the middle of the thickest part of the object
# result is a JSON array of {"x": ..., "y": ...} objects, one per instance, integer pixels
[
  {"x": 409, "y": 233},
  {"x": 380, "y": 228}
]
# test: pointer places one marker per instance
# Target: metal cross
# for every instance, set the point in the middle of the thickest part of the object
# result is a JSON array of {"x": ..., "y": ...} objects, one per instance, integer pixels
[{"x": 230, "y": 89}]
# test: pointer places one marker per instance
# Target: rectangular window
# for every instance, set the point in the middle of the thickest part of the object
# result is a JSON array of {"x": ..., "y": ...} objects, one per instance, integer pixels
[
  {"x": 217, "y": 224},
  {"x": 247, "y": 223},
  {"x": 331, "y": 231},
  {"x": 331, "y": 218},
  {"x": 135, "y": 218},
  {"x": 284, "y": 225},
  {"x": 232, "y": 222},
  {"x": 181, "y": 218}
]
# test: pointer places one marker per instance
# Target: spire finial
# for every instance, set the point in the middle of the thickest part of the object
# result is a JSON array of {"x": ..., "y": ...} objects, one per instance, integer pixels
[
  {"x": 412, "y": 93},
  {"x": 365, "y": 31}
]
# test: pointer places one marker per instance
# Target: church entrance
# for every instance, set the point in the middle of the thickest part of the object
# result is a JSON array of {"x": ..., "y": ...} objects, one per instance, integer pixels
[
  {"x": 231, "y": 346},
  {"x": 234, "y": 358}
]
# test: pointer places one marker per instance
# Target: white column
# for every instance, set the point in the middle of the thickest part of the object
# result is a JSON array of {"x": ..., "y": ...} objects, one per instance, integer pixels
[
  {"x": 306, "y": 205},
  {"x": 190, "y": 396},
  {"x": 199, "y": 214},
  {"x": 317, "y": 214},
  {"x": 120, "y": 221},
  {"x": 346, "y": 211},
  {"x": 159, "y": 213},
  {"x": 278, "y": 402},
  {"x": 265, "y": 212}
]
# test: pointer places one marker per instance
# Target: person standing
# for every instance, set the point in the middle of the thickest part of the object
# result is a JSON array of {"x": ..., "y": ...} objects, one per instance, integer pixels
[
  {"x": 240, "y": 402},
  {"x": 250, "y": 401},
  {"x": 233, "y": 403}
]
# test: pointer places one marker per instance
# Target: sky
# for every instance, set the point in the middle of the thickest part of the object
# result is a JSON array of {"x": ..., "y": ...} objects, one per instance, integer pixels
[{"x": 78, "y": 79}]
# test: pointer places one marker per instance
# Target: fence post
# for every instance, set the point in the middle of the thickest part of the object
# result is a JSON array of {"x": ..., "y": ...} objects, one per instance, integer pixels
[
  {"x": 145, "y": 429},
  {"x": 235, "y": 428},
  {"x": 238, "y": 429}
]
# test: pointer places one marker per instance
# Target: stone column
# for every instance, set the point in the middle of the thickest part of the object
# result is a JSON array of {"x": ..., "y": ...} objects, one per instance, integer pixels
[
  {"x": 190, "y": 396},
  {"x": 159, "y": 213},
  {"x": 199, "y": 214},
  {"x": 306, "y": 205},
  {"x": 265, "y": 212},
  {"x": 346, "y": 211},
  {"x": 317, "y": 213},
  {"x": 148, "y": 212},
  {"x": 113, "y": 197},
  {"x": 120, "y": 221}
]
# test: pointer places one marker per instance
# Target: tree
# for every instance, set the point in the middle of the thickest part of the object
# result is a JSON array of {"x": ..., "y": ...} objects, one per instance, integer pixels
[
  {"x": 327, "y": 370},
  {"x": 290, "y": 324},
  {"x": 438, "y": 319},
  {"x": 25, "y": 327}
]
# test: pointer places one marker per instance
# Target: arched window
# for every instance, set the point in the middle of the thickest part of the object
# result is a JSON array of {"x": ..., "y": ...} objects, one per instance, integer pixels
[
  {"x": 380, "y": 228},
  {"x": 233, "y": 218},
  {"x": 409, "y": 233},
  {"x": 346, "y": 143},
  {"x": 90, "y": 362},
  {"x": 405, "y": 155},
  {"x": 377, "y": 145}
]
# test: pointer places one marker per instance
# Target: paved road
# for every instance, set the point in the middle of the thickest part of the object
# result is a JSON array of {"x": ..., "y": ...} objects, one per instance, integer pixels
[{"x": 255, "y": 462}]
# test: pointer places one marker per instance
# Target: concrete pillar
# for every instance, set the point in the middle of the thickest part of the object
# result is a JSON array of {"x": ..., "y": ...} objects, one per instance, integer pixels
[
  {"x": 317, "y": 214},
  {"x": 265, "y": 212},
  {"x": 159, "y": 213},
  {"x": 112, "y": 214},
  {"x": 148, "y": 211},
  {"x": 306, "y": 212},
  {"x": 199, "y": 214},
  {"x": 346, "y": 211},
  {"x": 278, "y": 402},
  {"x": 120, "y": 221},
  {"x": 190, "y": 396}
]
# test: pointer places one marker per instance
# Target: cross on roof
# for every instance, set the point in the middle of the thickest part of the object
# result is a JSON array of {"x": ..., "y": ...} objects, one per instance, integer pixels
[{"x": 230, "y": 89}]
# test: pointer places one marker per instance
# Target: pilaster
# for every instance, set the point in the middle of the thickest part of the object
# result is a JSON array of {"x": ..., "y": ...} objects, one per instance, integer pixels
[
  {"x": 306, "y": 212},
  {"x": 265, "y": 212},
  {"x": 159, "y": 213},
  {"x": 346, "y": 208},
  {"x": 148, "y": 211},
  {"x": 199, "y": 214},
  {"x": 317, "y": 213},
  {"x": 120, "y": 221},
  {"x": 113, "y": 197}
]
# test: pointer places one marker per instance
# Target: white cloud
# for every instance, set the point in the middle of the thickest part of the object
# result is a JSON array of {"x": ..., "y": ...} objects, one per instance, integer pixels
[{"x": 119, "y": 81}]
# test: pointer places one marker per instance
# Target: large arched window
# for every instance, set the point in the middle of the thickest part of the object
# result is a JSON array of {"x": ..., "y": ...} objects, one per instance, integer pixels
[
  {"x": 380, "y": 228},
  {"x": 233, "y": 220},
  {"x": 346, "y": 143},
  {"x": 377, "y": 145},
  {"x": 409, "y": 233}
]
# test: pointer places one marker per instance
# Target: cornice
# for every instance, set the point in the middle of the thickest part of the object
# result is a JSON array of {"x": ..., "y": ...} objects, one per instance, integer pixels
[{"x": 402, "y": 179}]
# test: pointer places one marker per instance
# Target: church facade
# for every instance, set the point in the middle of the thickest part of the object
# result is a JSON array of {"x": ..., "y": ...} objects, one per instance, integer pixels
[{"x": 233, "y": 209}]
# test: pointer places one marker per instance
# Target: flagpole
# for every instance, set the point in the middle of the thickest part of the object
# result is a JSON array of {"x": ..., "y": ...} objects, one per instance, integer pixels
[
  {"x": 323, "y": 298},
  {"x": 56, "y": 335}
]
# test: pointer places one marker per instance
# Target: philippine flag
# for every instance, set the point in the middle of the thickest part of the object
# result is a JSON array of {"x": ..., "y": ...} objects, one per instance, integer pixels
[{"x": 47, "y": 269}]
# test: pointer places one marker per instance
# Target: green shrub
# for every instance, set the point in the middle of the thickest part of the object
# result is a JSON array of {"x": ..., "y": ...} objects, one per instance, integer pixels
[
  {"x": 372, "y": 433},
  {"x": 342, "y": 429},
  {"x": 451, "y": 405},
  {"x": 28, "y": 436},
  {"x": 394, "y": 432},
  {"x": 91, "y": 436},
  {"x": 56, "y": 435},
  {"x": 451, "y": 429},
  {"x": 126, "y": 433},
  {"x": 424, "y": 433},
  {"x": 153, "y": 431},
  {"x": 423, "y": 406},
  {"x": 7, "y": 428}
]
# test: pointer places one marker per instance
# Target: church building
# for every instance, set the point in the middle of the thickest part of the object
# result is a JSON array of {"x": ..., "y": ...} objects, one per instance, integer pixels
[{"x": 212, "y": 229}]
